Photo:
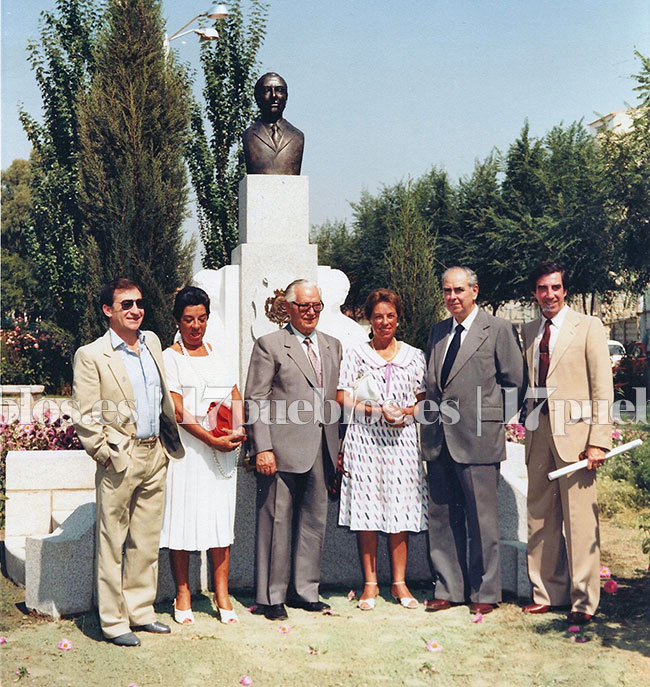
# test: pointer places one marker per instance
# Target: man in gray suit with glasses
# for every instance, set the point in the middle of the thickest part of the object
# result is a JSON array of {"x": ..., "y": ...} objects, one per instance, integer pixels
[{"x": 292, "y": 377}]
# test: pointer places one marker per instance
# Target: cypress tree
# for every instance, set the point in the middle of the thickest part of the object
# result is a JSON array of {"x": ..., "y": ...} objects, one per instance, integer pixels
[{"x": 134, "y": 125}]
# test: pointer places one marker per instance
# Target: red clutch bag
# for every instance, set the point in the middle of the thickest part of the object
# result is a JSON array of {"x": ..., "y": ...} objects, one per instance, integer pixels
[{"x": 219, "y": 419}]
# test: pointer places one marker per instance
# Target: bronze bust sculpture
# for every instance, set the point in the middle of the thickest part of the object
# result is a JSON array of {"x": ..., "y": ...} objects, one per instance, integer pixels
[{"x": 271, "y": 144}]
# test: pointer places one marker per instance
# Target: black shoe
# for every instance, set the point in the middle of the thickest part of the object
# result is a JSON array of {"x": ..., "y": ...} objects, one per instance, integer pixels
[
  {"x": 275, "y": 612},
  {"x": 259, "y": 609},
  {"x": 156, "y": 627},
  {"x": 311, "y": 606},
  {"x": 127, "y": 639}
]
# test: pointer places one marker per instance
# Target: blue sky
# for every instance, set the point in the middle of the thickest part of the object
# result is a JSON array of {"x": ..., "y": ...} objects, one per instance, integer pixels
[{"x": 384, "y": 90}]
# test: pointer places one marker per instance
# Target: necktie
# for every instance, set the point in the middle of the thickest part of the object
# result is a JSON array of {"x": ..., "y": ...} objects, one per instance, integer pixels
[
  {"x": 544, "y": 361},
  {"x": 452, "y": 352},
  {"x": 275, "y": 134},
  {"x": 313, "y": 359}
]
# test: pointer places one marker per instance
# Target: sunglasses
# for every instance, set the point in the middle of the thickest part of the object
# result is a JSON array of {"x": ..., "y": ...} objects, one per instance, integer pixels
[{"x": 128, "y": 303}]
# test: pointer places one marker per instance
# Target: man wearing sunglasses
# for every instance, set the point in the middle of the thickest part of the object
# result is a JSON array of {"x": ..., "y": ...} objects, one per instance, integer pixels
[
  {"x": 127, "y": 423},
  {"x": 293, "y": 374}
]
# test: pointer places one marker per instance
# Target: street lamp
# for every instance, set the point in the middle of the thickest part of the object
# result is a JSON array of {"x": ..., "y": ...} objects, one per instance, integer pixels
[{"x": 217, "y": 11}]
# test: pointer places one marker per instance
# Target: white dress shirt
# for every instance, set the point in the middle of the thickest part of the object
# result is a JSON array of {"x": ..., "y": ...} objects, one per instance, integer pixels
[{"x": 467, "y": 323}]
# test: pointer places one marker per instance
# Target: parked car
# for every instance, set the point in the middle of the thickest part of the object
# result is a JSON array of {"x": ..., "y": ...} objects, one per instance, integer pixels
[
  {"x": 631, "y": 371},
  {"x": 616, "y": 351}
]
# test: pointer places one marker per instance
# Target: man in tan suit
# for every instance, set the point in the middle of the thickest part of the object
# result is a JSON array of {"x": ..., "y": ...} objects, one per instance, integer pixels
[
  {"x": 127, "y": 424},
  {"x": 568, "y": 363}
]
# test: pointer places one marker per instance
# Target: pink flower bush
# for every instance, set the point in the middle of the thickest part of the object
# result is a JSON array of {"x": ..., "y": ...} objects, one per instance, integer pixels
[
  {"x": 515, "y": 433},
  {"x": 433, "y": 646},
  {"x": 611, "y": 586},
  {"x": 65, "y": 645},
  {"x": 477, "y": 618},
  {"x": 605, "y": 573}
]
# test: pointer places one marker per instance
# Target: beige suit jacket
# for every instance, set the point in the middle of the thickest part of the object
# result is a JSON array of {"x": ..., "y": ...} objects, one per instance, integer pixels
[
  {"x": 106, "y": 410},
  {"x": 579, "y": 384}
]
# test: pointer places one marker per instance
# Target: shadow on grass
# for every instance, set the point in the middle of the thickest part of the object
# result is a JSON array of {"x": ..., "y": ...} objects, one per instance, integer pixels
[{"x": 623, "y": 618}]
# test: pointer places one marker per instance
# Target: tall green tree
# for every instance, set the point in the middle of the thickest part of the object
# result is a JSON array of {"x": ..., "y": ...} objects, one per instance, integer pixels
[
  {"x": 62, "y": 61},
  {"x": 19, "y": 283},
  {"x": 215, "y": 154},
  {"x": 411, "y": 269},
  {"x": 134, "y": 126},
  {"x": 627, "y": 159}
]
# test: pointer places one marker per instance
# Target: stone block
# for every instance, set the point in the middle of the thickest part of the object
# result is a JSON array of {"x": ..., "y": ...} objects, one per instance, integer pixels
[
  {"x": 27, "y": 512},
  {"x": 59, "y": 567},
  {"x": 69, "y": 499},
  {"x": 15, "y": 559},
  {"x": 514, "y": 569},
  {"x": 512, "y": 495},
  {"x": 198, "y": 577},
  {"x": 274, "y": 209},
  {"x": 32, "y": 470}
]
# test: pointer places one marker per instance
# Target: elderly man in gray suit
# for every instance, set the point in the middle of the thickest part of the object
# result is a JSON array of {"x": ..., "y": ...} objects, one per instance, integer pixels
[
  {"x": 292, "y": 380},
  {"x": 475, "y": 373}
]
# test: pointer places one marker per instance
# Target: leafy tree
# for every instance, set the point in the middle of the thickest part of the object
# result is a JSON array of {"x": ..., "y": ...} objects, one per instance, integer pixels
[
  {"x": 62, "y": 61},
  {"x": 411, "y": 269},
  {"x": 627, "y": 159},
  {"x": 134, "y": 126},
  {"x": 216, "y": 159}
]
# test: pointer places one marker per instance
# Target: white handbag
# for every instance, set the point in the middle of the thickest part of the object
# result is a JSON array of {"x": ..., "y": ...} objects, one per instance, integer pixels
[{"x": 366, "y": 389}]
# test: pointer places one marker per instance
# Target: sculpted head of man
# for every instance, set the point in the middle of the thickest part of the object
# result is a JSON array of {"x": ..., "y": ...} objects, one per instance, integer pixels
[
  {"x": 304, "y": 305},
  {"x": 271, "y": 96},
  {"x": 548, "y": 284},
  {"x": 459, "y": 290}
]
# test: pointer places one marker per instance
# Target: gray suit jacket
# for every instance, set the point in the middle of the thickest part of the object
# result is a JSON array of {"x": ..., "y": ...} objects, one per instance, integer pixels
[
  {"x": 99, "y": 374},
  {"x": 488, "y": 366},
  {"x": 279, "y": 376}
]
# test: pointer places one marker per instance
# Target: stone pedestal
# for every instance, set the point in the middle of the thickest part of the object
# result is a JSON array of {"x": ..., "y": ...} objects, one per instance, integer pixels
[{"x": 274, "y": 248}]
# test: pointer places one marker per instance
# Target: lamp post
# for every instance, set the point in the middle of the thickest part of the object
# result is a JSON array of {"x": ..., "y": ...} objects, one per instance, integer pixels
[{"x": 217, "y": 11}]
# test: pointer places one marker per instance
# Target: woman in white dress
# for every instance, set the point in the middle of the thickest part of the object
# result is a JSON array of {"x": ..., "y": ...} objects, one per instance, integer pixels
[
  {"x": 201, "y": 488},
  {"x": 385, "y": 488}
]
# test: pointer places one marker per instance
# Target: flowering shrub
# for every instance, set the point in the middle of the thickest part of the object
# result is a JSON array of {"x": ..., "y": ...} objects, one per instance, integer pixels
[
  {"x": 37, "y": 353},
  {"x": 40, "y": 435},
  {"x": 515, "y": 433}
]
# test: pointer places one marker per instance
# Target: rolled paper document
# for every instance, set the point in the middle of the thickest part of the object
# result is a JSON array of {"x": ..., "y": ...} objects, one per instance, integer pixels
[{"x": 567, "y": 470}]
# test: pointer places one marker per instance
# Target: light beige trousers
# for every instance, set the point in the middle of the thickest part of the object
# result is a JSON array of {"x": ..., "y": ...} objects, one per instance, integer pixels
[
  {"x": 563, "y": 536},
  {"x": 129, "y": 519}
]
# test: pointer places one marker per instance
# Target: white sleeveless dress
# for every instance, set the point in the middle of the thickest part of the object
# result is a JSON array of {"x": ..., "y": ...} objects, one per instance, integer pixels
[{"x": 199, "y": 499}]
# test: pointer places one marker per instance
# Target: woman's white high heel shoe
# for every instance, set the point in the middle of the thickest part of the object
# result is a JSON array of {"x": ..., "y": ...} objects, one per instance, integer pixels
[
  {"x": 405, "y": 601},
  {"x": 183, "y": 617}
]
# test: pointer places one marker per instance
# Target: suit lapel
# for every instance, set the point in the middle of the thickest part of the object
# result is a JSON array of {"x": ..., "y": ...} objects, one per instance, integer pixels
[
  {"x": 299, "y": 356},
  {"x": 439, "y": 347},
  {"x": 531, "y": 333},
  {"x": 564, "y": 338},
  {"x": 476, "y": 335},
  {"x": 116, "y": 366},
  {"x": 261, "y": 133},
  {"x": 325, "y": 359}
]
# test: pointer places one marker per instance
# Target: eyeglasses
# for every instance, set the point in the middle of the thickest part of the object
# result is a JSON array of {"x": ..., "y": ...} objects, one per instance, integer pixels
[
  {"x": 306, "y": 307},
  {"x": 128, "y": 303}
]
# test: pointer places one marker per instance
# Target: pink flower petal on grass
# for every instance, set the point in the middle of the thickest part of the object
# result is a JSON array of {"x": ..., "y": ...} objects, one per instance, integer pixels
[
  {"x": 351, "y": 595},
  {"x": 610, "y": 586},
  {"x": 65, "y": 645},
  {"x": 3, "y": 640},
  {"x": 251, "y": 609},
  {"x": 477, "y": 618},
  {"x": 433, "y": 646},
  {"x": 284, "y": 629},
  {"x": 579, "y": 639},
  {"x": 574, "y": 628},
  {"x": 605, "y": 573},
  {"x": 246, "y": 680}
]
